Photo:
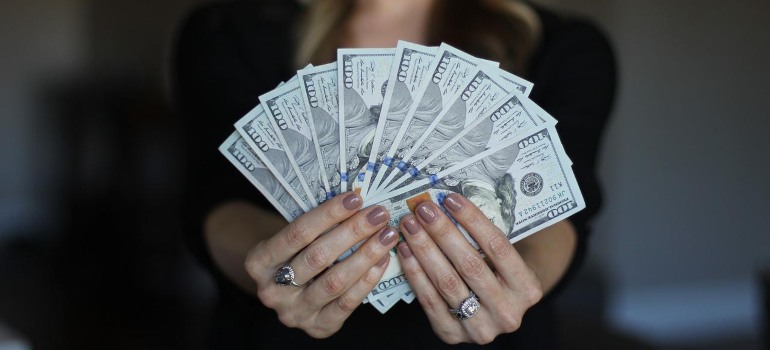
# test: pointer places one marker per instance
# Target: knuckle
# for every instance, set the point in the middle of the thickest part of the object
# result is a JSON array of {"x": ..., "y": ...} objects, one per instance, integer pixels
[
  {"x": 330, "y": 214},
  {"x": 288, "y": 319},
  {"x": 509, "y": 322},
  {"x": 499, "y": 246},
  {"x": 256, "y": 256},
  {"x": 449, "y": 336},
  {"x": 371, "y": 277},
  {"x": 443, "y": 229},
  {"x": 317, "y": 333},
  {"x": 472, "y": 266},
  {"x": 267, "y": 298},
  {"x": 297, "y": 236},
  {"x": 359, "y": 228},
  {"x": 430, "y": 301},
  {"x": 252, "y": 264},
  {"x": 484, "y": 336},
  {"x": 333, "y": 283},
  {"x": 472, "y": 218},
  {"x": 413, "y": 271},
  {"x": 347, "y": 304},
  {"x": 449, "y": 283},
  {"x": 422, "y": 245},
  {"x": 532, "y": 292},
  {"x": 317, "y": 258},
  {"x": 370, "y": 253}
]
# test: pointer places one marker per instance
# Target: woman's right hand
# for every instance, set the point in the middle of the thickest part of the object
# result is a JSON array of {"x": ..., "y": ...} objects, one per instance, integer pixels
[{"x": 322, "y": 306}]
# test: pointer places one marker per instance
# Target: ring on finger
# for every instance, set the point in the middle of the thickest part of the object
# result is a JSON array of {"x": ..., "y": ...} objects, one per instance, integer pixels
[
  {"x": 285, "y": 277},
  {"x": 468, "y": 308}
]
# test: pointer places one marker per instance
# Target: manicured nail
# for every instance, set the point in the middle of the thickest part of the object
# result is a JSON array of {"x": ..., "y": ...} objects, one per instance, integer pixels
[
  {"x": 387, "y": 236},
  {"x": 405, "y": 251},
  {"x": 383, "y": 261},
  {"x": 377, "y": 216},
  {"x": 412, "y": 226},
  {"x": 351, "y": 201},
  {"x": 425, "y": 212},
  {"x": 453, "y": 204}
]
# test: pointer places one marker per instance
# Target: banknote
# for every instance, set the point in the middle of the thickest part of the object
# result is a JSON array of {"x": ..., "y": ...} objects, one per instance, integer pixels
[
  {"x": 319, "y": 86},
  {"x": 448, "y": 73},
  {"x": 286, "y": 111},
  {"x": 485, "y": 87},
  {"x": 408, "y": 72},
  {"x": 363, "y": 76},
  {"x": 519, "y": 83},
  {"x": 401, "y": 126},
  {"x": 393, "y": 279},
  {"x": 508, "y": 118},
  {"x": 258, "y": 132},
  {"x": 238, "y": 152},
  {"x": 523, "y": 185},
  {"x": 385, "y": 303}
]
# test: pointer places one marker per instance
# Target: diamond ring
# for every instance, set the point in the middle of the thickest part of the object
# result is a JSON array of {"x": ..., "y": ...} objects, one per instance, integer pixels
[
  {"x": 285, "y": 276},
  {"x": 467, "y": 308}
]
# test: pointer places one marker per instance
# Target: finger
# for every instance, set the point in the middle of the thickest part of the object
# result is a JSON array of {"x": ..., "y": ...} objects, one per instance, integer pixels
[
  {"x": 325, "y": 250},
  {"x": 436, "y": 265},
  {"x": 464, "y": 258},
  {"x": 482, "y": 328},
  {"x": 306, "y": 228},
  {"x": 338, "y": 279},
  {"x": 495, "y": 245},
  {"x": 432, "y": 302},
  {"x": 336, "y": 312}
]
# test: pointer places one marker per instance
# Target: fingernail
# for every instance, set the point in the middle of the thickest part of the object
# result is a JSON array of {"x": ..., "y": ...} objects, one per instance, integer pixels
[
  {"x": 405, "y": 251},
  {"x": 377, "y": 216},
  {"x": 387, "y": 236},
  {"x": 426, "y": 213},
  {"x": 351, "y": 201},
  {"x": 383, "y": 261},
  {"x": 412, "y": 226},
  {"x": 453, "y": 204}
]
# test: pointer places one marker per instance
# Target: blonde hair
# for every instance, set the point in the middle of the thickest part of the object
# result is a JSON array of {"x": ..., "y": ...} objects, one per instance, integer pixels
[{"x": 501, "y": 30}]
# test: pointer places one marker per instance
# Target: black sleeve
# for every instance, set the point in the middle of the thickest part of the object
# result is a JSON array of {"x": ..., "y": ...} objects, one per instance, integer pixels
[
  {"x": 218, "y": 75},
  {"x": 575, "y": 81}
]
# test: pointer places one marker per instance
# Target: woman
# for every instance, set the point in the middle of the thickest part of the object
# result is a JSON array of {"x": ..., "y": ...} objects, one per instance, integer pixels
[{"x": 230, "y": 53}]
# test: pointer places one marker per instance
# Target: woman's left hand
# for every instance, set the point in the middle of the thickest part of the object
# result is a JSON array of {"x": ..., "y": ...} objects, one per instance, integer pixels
[{"x": 443, "y": 268}]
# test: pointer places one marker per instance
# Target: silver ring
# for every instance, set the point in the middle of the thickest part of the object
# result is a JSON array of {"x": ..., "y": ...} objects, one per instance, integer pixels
[
  {"x": 469, "y": 307},
  {"x": 285, "y": 276}
]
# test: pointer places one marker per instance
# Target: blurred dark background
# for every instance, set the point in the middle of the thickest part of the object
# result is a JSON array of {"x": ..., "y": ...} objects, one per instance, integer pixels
[{"x": 90, "y": 248}]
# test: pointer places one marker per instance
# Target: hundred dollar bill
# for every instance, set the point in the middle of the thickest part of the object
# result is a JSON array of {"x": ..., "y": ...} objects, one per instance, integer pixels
[
  {"x": 384, "y": 304},
  {"x": 258, "y": 132},
  {"x": 319, "y": 86},
  {"x": 408, "y": 72},
  {"x": 286, "y": 111},
  {"x": 238, "y": 152},
  {"x": 507, "y": 119},
  {"x": 518, "y": 83},
  {"x": 448, "y": 73},
  {"x": 522, "y": 186},
  {"x": 393, "y": 280},
  {"x": 362, "y": 79},
  {"x": 485, "y": 87},
  {"x": 408, "y": 297}
]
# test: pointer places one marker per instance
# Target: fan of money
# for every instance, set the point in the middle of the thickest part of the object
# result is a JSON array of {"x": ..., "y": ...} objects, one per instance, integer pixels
[{"x": 404, "y": 125}]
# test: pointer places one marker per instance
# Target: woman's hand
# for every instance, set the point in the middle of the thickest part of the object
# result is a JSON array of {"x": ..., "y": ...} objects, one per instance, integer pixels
[
  {"x": 321, "y": 306},
  {"x": 443, "y": 269}
]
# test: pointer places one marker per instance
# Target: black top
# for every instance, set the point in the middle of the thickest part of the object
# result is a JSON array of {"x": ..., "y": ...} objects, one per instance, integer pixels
[{"x": 229, "y": 53}]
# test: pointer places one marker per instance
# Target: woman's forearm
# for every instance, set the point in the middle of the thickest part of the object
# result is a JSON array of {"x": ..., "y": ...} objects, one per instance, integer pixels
[
  {"x": 549, "y": 252},
  {"x": 231, "y": 230}
]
